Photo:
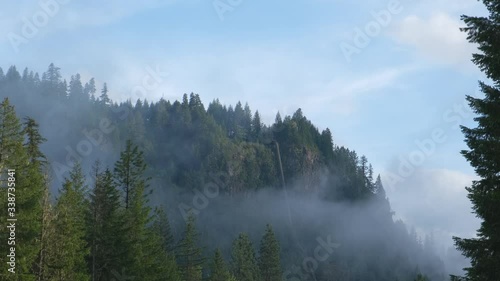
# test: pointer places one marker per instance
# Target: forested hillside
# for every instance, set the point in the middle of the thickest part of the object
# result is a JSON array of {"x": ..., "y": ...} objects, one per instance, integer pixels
[{"x": 179, "y": 190}]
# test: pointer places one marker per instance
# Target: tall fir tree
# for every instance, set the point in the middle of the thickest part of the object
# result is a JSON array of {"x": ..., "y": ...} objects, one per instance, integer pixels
[
  {"x": 156, "y": 263},
  {"x": 104, "y": 98},
  {"x": 104, "y": 218},
  {"x": 129, "y": 176},
  {"x": 129, "y": 171},
  {"x": 160, "y": 248},
  {"x": 27, "y": 189},
  {"x": 484, "y": 150},
  {"x": 69, "y": 250},
  {"x": 36, "y": 206},
  {"x": 218, "y": 269},
  {"x": 11, "y": 137},
  {"x": 256, "y": 126},
  {"x": 244, "y": 262},
  {"x": 161, "y": 225},
  {"x": 189, "y": 254},
  {"x": 269, "y": 257}
]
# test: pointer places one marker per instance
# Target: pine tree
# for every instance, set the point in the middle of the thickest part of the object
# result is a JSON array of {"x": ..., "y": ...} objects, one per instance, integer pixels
[
  {"x": 162, "y": 227},
  {"x": 76, "y": 92},
  {"x": 129, "y": 175},
  {"x": 33, "y": 142},
  {"x": 11, "y": 137},
  {"x": 89, "y": 89},
  {"x": 326, "y": 144},
  {"x": 484, "y": 154},
  {"x": 269, "y": 257},
  {"x": 129, "y": 171},
  {"x": 69, "y": 251},
  {"x": 12, "y": 75},
  {"x": 218, "y": 269},
  {"x": 29, "y": 187},
  {"x": 157, "y": 262},
  {"x": 256, "y": 126},
  {"x": 104, "y": 95},
  {"x": 244, "y": 262},
  {"x": 35, "y": 205},
  {"x": 104, "y": 220},
  {"x": 379, "y": 188},
  {"x": 160, "y": 248},
  {"x": 189, "y": 255}
]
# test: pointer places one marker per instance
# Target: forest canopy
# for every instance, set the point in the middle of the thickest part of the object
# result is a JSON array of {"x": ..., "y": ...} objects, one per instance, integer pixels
[{"x": 176, "y": 190}]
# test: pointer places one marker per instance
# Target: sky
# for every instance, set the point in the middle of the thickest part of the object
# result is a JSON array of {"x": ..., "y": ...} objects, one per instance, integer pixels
[{"x": 388, "y": 77}]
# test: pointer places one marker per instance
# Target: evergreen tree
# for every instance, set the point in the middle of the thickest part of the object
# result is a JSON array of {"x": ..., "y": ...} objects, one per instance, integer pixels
[
  {"x": 269, "y": 257},
  {"x": 129, "y": 171},
  {"x": 104, "y": 220},
  {"x": 218, "y": 269},
  {"x": 29, "y": 186},
  {"x": 161, "y": 249},
  {"x": 256, "y": 126},
  {"x": 189, "y": 255},
  {"x": 484, "y": 154},
  {"x": 89, "y": 89},
  {"x": 76, "y": 92},
  {"x": 52, "y": 85},
  {"x": 11, "y": 138},
  {"x": 33, "y": 141},
  {"x": 244, "y": 262},
  {"x": 12, "y": 75},
  {"x": 104, "y": 95},
  {"x": 162, "y": 227},
  {"x": 69, "y": 251},
  {"x": 35, "y": 199},
  {"x": 139, "y": 239},
  {"x": 326, "y": 144},
  {"x": 379, "y": 188}
]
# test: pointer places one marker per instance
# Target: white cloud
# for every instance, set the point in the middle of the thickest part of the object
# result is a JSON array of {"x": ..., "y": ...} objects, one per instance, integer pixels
[
  {"x": 437, "y": 37},
  {"x": 435, "y": 201},
  {"x": 94, "y": 13},
  {"x": 270, "y": 80},
  {"x": 342, "y": 93},
  {"x": 72, "y": 14}
]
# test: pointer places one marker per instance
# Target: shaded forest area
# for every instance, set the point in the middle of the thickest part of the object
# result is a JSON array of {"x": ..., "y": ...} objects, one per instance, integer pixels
[{"x": 175, "y": 191}]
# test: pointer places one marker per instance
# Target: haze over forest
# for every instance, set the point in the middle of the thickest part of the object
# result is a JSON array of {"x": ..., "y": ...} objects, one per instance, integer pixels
[{"x": 231, "y": 140}]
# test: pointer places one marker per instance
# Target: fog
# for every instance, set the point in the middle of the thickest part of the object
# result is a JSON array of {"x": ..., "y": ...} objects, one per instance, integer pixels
[{"x": 358, "y": 233}]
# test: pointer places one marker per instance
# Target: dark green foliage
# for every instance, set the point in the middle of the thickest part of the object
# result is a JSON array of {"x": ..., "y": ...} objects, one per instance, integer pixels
[
  {"x": 244, "y": 261},
  {"x": 129, "y": 171},
  {"x": 218, "y": 269},
  {"x": 33, "y": 142},
  {"x": 161, "y": 226},
  {"x": 69, "y": 248},
  {"x": 104, "y": 99},
  {"x": 188, "y": 253},
  {"x": 11, "y": 138},
  {"x": 484, "y": 154},
  {"x": 269, "y": 257},
  {"x": 421, "y": 277},
  {"x": 185, "y": 147},
  {"x": 104, "y": 218},
  {"x": 29, "y": 187}
]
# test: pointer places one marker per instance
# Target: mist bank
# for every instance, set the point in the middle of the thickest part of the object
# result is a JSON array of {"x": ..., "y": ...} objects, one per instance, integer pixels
[{"x": 332, "y": 194}]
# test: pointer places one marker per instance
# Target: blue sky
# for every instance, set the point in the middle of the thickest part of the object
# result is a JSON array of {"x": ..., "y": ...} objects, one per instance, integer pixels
[{"x": 406, "y": 82}]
